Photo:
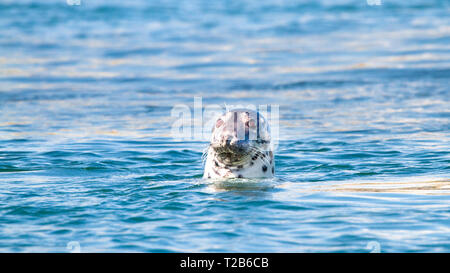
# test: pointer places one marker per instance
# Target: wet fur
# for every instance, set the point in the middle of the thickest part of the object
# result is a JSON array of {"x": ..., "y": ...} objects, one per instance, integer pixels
[{"x": 254, "y": 161}]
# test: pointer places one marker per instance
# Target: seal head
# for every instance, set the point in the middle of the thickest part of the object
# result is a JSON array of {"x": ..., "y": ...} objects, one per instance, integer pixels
[{"x": 240, "y": 147}]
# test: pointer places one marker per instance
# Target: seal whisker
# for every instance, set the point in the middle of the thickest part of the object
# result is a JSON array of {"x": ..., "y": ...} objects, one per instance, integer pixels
[
  {"x": 205, "y": 154},
  {"x": 262, "y": 158}
]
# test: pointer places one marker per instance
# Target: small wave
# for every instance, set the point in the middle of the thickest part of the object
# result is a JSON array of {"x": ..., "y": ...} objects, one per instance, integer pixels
[{"x": 421, "y": 186}]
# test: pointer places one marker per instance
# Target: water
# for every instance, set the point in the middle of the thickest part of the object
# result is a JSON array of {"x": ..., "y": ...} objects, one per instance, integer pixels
[{"x": 87, "y": 158}]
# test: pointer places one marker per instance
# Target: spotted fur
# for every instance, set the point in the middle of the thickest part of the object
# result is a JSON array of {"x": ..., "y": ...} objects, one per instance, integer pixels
[{"x": 240, "y": 147}]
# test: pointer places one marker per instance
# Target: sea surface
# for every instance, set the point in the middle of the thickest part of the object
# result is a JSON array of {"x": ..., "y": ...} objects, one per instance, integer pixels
[{"x": 89, "y": 161}]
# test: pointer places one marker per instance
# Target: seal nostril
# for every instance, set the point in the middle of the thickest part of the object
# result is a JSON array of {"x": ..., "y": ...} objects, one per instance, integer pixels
[
  {"x": 241, "y": 143},
  {"x": 228, "y": 141}
]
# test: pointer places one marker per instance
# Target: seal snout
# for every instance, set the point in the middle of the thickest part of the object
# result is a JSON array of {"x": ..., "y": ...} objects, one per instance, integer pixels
[
  {"x": 228, "y": 140},
  {"x": 231, "y": 141},
  {"x": 231, "y": 144}
]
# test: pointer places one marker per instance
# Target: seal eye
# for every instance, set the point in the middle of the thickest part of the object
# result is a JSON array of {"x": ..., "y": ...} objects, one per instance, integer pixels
[{"x": 219, "y": 123}]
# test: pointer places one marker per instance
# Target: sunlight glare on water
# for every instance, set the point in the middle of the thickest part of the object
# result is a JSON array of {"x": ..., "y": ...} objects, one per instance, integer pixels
[{"x": 87, "y": 156}]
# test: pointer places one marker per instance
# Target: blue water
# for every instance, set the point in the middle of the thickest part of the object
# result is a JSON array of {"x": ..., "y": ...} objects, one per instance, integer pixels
[{"x": 87, "y": 158}]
